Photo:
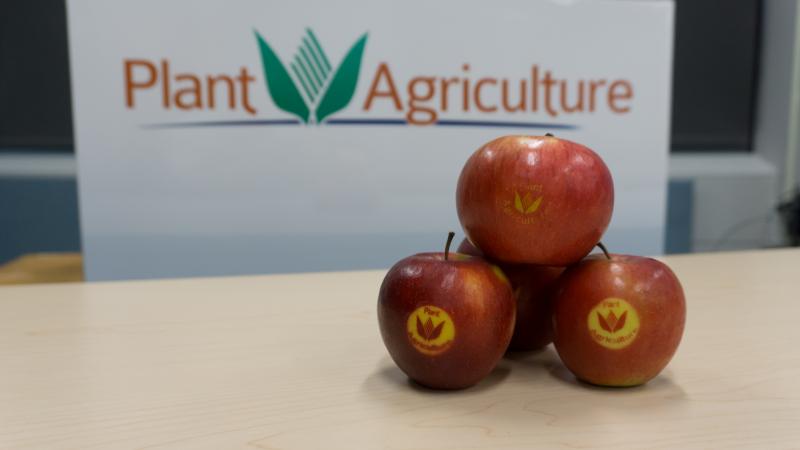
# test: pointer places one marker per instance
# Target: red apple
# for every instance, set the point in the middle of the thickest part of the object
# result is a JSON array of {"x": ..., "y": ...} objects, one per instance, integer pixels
[
  {"x": 618, "y": 319},
  {"x": 533, "y": 288},
  {"x": 535, "y": 199},
  {"x": 446, "y": 318}
]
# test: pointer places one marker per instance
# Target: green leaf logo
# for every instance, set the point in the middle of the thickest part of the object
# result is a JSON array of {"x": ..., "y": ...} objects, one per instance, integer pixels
[
  {"x": 320, "y": 89},
  {"x": 280, "y": 86},
  {"x": 343, "y": 86}
]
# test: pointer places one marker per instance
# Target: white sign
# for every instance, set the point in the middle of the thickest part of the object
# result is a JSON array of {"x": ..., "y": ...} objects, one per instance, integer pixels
[{"x": 227, "y": 137}]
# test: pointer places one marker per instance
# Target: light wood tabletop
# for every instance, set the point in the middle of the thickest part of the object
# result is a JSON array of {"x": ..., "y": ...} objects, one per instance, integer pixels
[{"x": 296, "y": 362}]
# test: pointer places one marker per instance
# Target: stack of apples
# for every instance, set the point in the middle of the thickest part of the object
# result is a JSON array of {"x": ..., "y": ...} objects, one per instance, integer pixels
[{"x": 532, "y": 208}]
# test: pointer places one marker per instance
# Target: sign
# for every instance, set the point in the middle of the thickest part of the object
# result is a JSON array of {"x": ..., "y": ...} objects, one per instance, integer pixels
[{"x": 243, "y": 136}]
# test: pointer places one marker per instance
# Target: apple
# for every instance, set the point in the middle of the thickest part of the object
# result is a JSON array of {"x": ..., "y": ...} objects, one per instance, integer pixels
[
  {"x": 533, "y": 288},
  {"x": 446, "y": 318},
  {"x": 535, "y": 200},
  {"x": 618, "y": 319}
]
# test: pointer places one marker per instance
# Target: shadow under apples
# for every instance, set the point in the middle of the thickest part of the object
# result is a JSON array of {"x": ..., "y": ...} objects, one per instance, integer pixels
[
  {"x": 388, "y": 373},
  {"x": 496, "y": 377},
  {"x": 661, "y": 383},
  {"x": 533, "y": 363}
]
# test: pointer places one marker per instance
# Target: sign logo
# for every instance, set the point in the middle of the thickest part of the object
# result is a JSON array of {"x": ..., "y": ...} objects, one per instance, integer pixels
[
  {"x": 311, "y": 89},
  {"x": 324, "y": 91},
  {"x": 613, "y": 323},
  {"x": 430, "y": 330}
]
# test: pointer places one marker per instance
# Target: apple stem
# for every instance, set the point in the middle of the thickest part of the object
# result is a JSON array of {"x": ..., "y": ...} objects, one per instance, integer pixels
[
  {"x": 604, "y": 249},
  {"x": 450, "y": 237},
  {"x": 549, "y": 134}
]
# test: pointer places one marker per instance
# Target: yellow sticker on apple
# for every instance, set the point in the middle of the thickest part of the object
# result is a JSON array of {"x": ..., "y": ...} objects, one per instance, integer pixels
[
  {"x": 613, "y": 323},
  {"x": 523, "y": 202},
  {"x": 431, "y": 330}
]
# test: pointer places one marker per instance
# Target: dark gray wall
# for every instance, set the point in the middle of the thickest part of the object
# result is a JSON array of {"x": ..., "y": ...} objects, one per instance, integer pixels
[{"x": 38, "y": 215}]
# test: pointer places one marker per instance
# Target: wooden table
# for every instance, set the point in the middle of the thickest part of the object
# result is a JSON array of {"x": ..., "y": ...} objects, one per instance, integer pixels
[
  {"x": 43, "y": 268},
  {"x": 296, "y": 362}
]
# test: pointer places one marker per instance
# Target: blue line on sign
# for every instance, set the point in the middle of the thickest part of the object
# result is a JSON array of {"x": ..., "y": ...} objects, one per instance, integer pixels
[
  {"x": 224, "y": 123},
  {"x": 499, "y": 124},
  {"x": 366, "y": 122},
  {"x": 402, "y": 122},
  {"x": 456, "y": 123}
]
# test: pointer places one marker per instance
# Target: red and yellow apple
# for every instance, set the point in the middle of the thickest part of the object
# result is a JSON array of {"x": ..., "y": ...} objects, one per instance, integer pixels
[
  {"x": 533, "y": 288},
  {"x": 535, "y": 200},
  {"x": 618, "y": 319},
  {"x": 446, "y": 318}
]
